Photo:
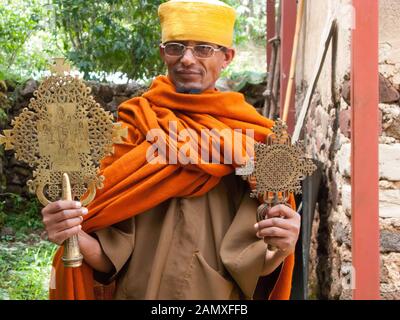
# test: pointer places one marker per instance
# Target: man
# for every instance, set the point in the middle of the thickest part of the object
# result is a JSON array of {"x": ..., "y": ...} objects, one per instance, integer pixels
[{"x": 174, "y": 230}]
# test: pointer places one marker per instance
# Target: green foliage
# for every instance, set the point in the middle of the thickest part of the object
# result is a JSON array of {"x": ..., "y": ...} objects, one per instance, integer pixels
[
  {"x": 3, "y": 215},
  {"x": 25, "y": 270},
  {"x": 3, "y": 116},
  {"x": 110, "y": 36},
  {"x": 239, "y": 80},
  {"x": 100, "y": 37},
  {"x": 26, "y": 39},
  {"x": 25, "y": 259},
  {"x": 250, "y": 22},
  {"x": 21, "y": 215},
  {"x": 4, "y": 104}
]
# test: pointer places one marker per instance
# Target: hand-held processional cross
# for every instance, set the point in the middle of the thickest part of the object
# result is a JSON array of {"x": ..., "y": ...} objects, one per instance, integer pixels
[
  {"x": 63, "y": 135},
  {"x": 276, "y": 170}
]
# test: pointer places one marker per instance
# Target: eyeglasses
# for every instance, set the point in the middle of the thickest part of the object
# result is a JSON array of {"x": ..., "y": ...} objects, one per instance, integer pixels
[{"x": 201, "y": 51}]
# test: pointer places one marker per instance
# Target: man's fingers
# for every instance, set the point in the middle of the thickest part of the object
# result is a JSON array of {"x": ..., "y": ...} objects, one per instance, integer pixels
[
  {"x": 281, "y": 210},
  {"x": 60, "y": 206},
  {"x": 277, "y": 242},
  {"x": 274, "y": 222},
  {"x": 65, "y": 224},
  {"x": 51, "y": 220},
  {"x": 60, "y": 237},
  {"x": 69, "y": 214},
  {"x": 272, "y": 232}
]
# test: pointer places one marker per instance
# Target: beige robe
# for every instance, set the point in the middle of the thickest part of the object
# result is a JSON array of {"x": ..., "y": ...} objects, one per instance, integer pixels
[{"x": 188, "y": 248}]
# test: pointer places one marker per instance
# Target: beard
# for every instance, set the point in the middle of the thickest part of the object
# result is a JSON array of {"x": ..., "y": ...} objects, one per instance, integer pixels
[{"x": 181, "y": 89}]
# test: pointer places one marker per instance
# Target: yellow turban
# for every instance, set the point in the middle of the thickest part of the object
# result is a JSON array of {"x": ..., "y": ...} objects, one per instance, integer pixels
[{"x": 198, "y": 20}]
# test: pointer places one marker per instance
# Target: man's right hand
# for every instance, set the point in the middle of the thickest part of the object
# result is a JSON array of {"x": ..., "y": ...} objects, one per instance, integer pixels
[{"x": 62, "y": 219}]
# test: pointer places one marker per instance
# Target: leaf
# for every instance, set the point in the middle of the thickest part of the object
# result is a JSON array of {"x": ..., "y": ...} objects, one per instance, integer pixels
[{"x": 238, "y": 80}]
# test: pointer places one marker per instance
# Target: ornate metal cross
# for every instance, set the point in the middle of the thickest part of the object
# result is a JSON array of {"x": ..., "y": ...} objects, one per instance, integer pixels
[
  {"x": 277, "y": 169},
  {"x": 63, "y": 131}
]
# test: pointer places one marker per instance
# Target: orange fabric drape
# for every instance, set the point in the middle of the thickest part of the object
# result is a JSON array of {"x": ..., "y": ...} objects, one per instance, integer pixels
[
  {"x": 283, "y": 285},
  {"x": 133, "y": 185}
]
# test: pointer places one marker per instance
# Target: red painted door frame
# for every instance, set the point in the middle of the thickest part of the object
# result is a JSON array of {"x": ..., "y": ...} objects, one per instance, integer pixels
[
  {"x": 288, "y": 27},
  {"x": 364, "y": 155}
]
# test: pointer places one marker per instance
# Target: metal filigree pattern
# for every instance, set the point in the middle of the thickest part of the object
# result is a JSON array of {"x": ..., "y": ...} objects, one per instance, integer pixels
[
  {"x": 63, "y": 130},
  {"x": 279, "y": 167}
]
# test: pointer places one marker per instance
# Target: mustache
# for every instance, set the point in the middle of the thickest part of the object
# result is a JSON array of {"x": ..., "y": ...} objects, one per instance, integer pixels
[{"x": 188, "y": 70}]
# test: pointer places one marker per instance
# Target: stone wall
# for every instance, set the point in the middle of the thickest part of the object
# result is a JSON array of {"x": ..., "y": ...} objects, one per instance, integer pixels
[{"x": 328, "y": 140}]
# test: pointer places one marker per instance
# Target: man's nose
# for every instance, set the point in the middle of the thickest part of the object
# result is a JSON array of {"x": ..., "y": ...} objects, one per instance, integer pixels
[{"x": 188, "y": 57}]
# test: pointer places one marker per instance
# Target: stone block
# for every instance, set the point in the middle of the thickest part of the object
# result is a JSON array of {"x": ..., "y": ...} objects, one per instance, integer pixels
[
  {"x": 387, "y": 92},
  {"x": 346, "y": 198},
  {"x": 389, "y": 161},
  {"x": 390, "y": 276},
  {"x": 343, "y": 159},
  {"x": 30, "y": 87},
  {"x": 390, "y": 241},
  {"x": 346, "y": 92},
  {"x": 114, "y": 104},
  {"x": 389, "y": 203},
  {"x": 394, "y": 129},
  {"x": 342, "y": 234},
  {"x": 106, "y": 93},
  {"x": 345, "y": 123}
]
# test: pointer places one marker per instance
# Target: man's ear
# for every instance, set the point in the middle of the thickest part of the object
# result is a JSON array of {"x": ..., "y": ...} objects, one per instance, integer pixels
[{"x": 229, "y": 55}]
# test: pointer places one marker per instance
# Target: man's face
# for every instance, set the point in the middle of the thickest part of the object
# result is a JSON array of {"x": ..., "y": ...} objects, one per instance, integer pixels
[{"x": 191, "y": 73}]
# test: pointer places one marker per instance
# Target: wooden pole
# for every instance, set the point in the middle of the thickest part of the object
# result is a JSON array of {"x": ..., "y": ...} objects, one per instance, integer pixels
[
  {"x": 289, "y": 89},
  {"x": 270, "y": 28},
  {"x": 288, "y": 27}
]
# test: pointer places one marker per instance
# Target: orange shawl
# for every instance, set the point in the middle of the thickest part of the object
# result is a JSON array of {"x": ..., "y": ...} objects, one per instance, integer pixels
[{"x": 132, "y": 185}]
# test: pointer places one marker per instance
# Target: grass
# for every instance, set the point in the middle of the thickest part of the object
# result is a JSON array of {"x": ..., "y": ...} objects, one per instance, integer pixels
[
  {"x": 25, "y": 259},
  {"x": 25, "y": 270}
]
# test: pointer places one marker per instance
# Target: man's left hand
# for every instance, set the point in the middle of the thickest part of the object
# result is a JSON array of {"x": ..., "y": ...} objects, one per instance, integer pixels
[{"x": 280, "y": 228}]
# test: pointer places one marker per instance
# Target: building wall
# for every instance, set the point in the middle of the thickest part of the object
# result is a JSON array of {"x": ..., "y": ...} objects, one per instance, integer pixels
[
  {"x": 389, "y": 41},
  {"x": 327, "y": 136}
]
